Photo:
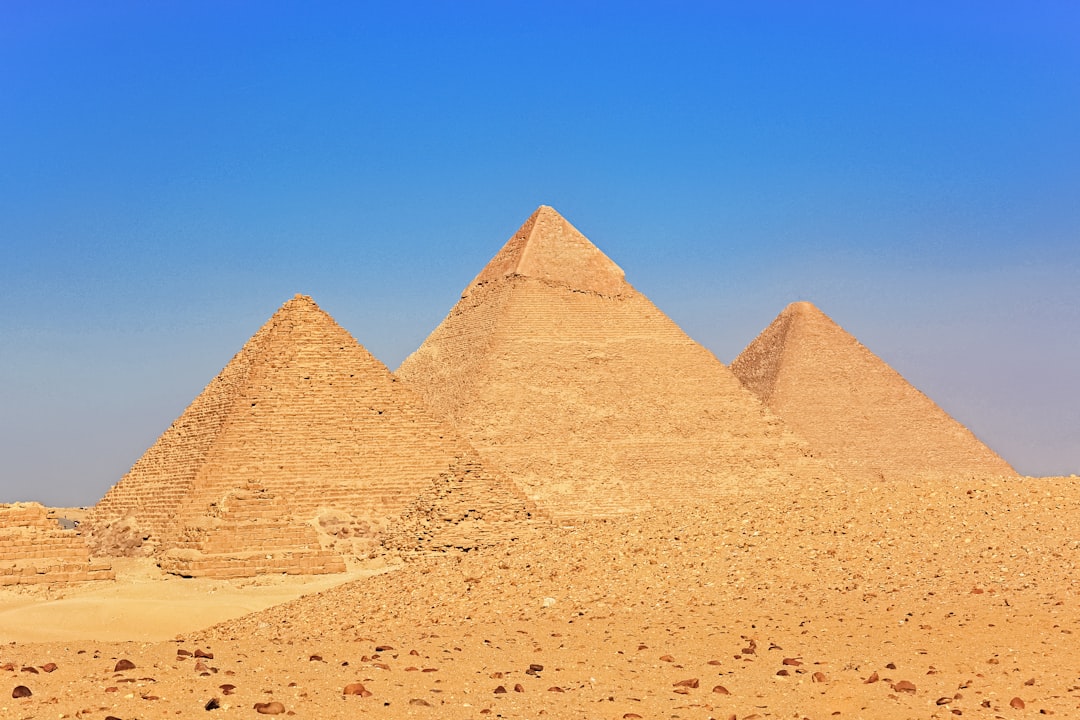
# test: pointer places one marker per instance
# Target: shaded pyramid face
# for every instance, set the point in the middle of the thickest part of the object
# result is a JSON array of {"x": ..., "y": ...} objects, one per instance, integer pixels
[
  {"x": 303, "y": 412},
  {"x": 853, "y": 408},
  {"x": 584, "y": 393}
]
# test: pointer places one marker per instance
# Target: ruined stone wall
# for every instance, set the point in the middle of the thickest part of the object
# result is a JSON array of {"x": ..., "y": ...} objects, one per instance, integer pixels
[
  {"x": 466, "y": 508},
  {"x": 34, "y": 549},
  {"x": 249, "y": 532}
]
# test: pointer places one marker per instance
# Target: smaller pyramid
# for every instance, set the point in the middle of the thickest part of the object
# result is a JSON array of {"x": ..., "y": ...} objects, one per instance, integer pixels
[
  {"x": 303, "y": 416},
  {"x": 855, "y": 410}
]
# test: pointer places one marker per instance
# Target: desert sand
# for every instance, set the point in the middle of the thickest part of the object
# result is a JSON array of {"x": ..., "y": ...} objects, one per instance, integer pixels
[{"x": 852, "y": 599}]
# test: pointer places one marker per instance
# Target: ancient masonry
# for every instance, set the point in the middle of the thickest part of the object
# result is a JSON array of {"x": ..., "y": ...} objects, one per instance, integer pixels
[
  {"x": 851, "y": 406},
  {"x": 302, "y": 427},
  {"x": 34, "y": 549},
  {"x": 585, "y": 394}
]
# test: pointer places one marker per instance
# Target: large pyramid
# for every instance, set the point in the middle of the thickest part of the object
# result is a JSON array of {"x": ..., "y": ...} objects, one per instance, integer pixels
[
  {"x": 851, "y": 406},
  {"x": 302, "y": 420},
  {"x": 584, "y": 393}
]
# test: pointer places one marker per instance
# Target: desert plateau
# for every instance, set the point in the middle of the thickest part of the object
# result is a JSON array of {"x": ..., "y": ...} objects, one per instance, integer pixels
[{"x": 559, "y": 506}]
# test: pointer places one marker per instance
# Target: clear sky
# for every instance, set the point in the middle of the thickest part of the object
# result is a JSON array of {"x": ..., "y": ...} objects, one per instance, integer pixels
[{"x": 172, "y": 172}]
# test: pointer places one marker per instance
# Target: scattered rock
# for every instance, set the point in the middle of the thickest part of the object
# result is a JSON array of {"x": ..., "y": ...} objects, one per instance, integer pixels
[
  {"x": 690, "y": 683},
  {"x": 122, "y": 665},
  {"x": 904, "y": 686},
  {"x": 499, "y": 690},
  {"x": 212, "y": 704},
  {"x": 420, "y": 701},
  {"x": 356, "y": 689},
  {"x": 21, "y": 691},
  {"x": 227, "y": 689},
  {"x": 270, "y": 708},
  {"x": 1016, "y": 703},
  {"x": 50, "y": 667},
  {"x": 721, "y": 690}
]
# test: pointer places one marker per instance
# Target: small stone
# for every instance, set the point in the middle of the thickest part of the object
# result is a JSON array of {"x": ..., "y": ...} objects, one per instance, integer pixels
[
  {"x": 794, "y": 662},
  {"x": 227, "y": 689},
  {"x": 872, "y": 679},
  {"x": 555, "y": 688},
  {"x": 690, "y": 683},
  {"x": 819, "y": 677},
  {"x": 270, "y": 708},
  {"x": 1016, "y": 703},
  {"x": 383, "y": 648},
  {"x": 181, "y": 652},
  {"x": 419, "y": 701},
  {"x": 356, "y": 689},
  {"x": 667, "y": 658},
  {"x": 535, "y": 668},
  {"x": 1030, "y": 682},
  {"x": 714, "y": 662},
  {"x": 944, "y": 700},
  {"x": 721, "y": 690},
  {"x": 631, "y": 716},
  {"x": 519, "y": 688},
  {"x": 315, "y": 658},
  {"x": 500, "y": 690},
  {"x": 33, "y": 670},
  {"x": 783, "y": 673},
  {"x": 21, "y": 691},
  {"x": 49, "y": 667},
  {"x": 904, "y": 686},
  {"x": 212, "y": 704},
  {"x": 122, "y": 665},
  {"x": 204, "y": 654},
  {"x": 891, "y": 666}
]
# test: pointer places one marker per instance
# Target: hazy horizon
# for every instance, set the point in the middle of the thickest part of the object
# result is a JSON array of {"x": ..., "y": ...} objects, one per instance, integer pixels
[{"x": 171, "y": 174}]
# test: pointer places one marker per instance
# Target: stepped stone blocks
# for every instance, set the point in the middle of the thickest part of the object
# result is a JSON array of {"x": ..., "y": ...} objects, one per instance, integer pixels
[
  {"x": 34, "y": 549},
  {"x": 585, "y": 394},
  {"x": 466, "y": 508},
  {"x": 304, "y": 411},
  {"x": 249, "y": 532},
  {"x": 854, "y": 409}
]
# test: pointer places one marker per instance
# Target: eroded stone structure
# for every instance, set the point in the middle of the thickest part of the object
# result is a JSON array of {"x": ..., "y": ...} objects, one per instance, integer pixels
[
  {"x": 304, "y": 420},
  {"x": 584, "y": 393},
  {"x": 35, "y": 549},
  {"x": 854, "y": 409}
]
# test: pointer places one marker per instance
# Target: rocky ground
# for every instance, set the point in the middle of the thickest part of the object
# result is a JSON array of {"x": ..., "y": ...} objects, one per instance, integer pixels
[{"x": 953, "y": 597}]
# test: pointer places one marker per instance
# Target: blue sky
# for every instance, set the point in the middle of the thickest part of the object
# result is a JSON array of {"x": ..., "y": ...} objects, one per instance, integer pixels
[{"x": 171, "y": 172}]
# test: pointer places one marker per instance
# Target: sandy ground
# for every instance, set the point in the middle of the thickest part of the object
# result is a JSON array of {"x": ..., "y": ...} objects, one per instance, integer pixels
[
  {"x": 842, "y": 600},
  {"x": 146, "y": 605}
]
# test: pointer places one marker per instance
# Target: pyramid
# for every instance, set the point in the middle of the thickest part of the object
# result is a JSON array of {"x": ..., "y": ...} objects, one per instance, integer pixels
[
  {"x": 303, "y": 413},
  {"x": 851, "y": 406},
  {"x": 586, "y": 395}
]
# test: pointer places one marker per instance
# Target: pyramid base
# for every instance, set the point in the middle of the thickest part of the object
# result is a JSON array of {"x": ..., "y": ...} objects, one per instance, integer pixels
[{"x": 227, "y": 566}]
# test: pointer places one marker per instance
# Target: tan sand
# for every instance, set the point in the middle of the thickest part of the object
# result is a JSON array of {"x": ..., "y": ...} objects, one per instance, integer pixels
[{"x": 843, "y": 599}]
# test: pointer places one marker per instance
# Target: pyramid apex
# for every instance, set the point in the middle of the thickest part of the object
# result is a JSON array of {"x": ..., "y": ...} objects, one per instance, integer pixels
[{"x": 548, "y": 247}]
